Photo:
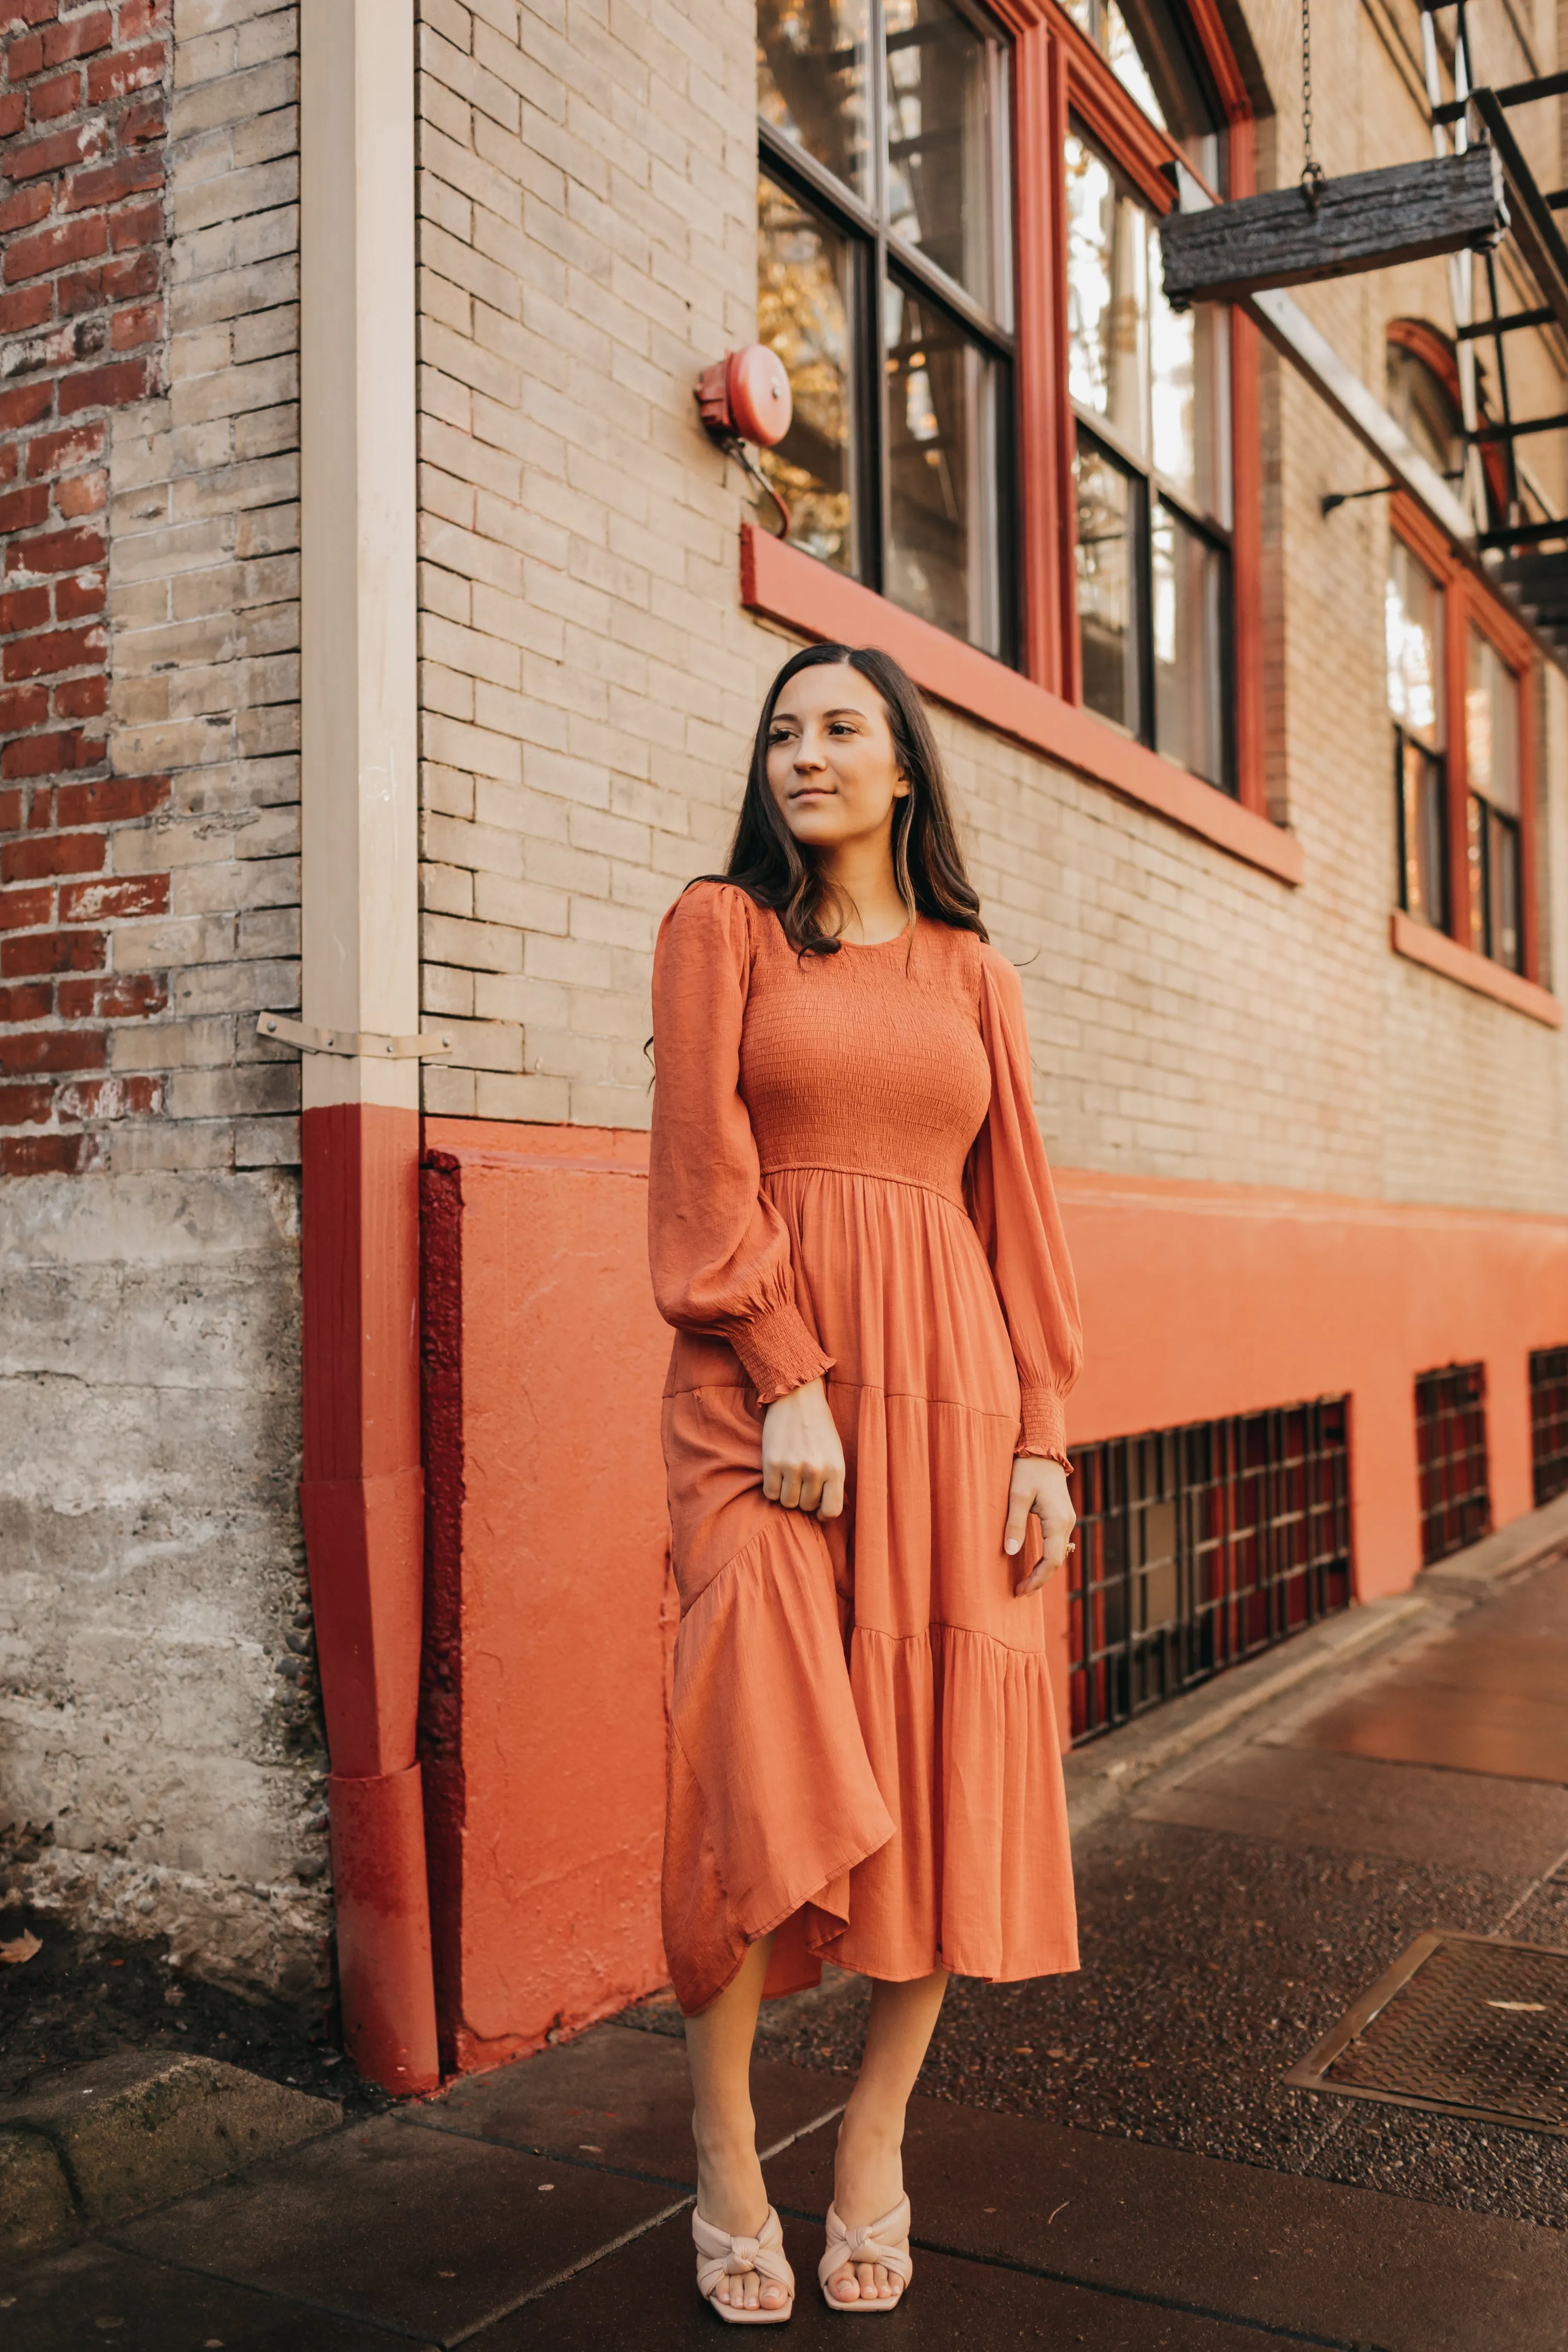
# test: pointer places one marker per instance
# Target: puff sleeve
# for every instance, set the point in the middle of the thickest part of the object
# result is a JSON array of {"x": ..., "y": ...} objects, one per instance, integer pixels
[
  {"x": 1013, "y": 1206},
  {"x": 717, "y": 1249}
]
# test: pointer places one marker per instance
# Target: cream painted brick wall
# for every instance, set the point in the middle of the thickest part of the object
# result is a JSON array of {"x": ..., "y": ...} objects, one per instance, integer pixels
[
  {"x": 203, "y": 606},
  {"x": 587, "y": 194}
]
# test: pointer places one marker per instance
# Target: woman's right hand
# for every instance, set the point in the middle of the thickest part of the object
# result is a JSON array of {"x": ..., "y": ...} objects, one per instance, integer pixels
[{"x": 803, "y": 1458}]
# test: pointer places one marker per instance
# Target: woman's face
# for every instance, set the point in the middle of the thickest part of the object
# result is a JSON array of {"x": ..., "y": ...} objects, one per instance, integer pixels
[{"x": 832, "y": 767}]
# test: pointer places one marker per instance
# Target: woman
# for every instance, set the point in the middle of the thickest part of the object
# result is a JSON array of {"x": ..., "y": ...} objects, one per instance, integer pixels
[{"x": 852, "y": 1229}]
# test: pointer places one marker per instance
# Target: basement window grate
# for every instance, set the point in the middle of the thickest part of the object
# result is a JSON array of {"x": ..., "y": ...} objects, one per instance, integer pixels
[
  {"x": 1197, "y": 1547},
  {"x": 1461, "y": 2025},
  {"x": 1549, "y": 1422},
  {"x": 1451, "y": 1457}
]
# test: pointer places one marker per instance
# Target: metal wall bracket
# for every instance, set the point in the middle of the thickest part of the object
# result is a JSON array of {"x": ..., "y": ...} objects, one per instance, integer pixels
[{"x": 360, "y": 1044}]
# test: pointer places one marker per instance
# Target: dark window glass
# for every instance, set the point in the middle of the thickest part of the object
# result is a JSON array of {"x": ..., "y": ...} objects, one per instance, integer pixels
[
  {"x": 946, "y": 139},
  {"x": 1152, "y": 479},
  {"x": 1106, "y": 564},
  {"x": 1492, "y": 759},
  {"x": 941, "y": 458},
  {"x": 884, "y": 284},
  {"x": 814, "y": 81}
]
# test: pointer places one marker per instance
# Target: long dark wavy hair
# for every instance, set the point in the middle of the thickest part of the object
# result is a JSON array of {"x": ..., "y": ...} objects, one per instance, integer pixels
[{"x": 768, "y": 864}]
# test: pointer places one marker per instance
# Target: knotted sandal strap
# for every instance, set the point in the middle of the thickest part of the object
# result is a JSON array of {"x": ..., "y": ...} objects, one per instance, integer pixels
[
  {"x": 721, "y": 2256},
  {"x": 871, "y": 2243}
]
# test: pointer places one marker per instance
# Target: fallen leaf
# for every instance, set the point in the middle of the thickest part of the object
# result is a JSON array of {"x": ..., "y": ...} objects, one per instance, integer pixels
[{"x": 20, "y": 1948}]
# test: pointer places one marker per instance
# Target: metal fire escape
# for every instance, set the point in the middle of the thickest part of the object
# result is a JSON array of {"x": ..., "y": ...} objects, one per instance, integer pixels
[{"x": 1526, "y": 553}]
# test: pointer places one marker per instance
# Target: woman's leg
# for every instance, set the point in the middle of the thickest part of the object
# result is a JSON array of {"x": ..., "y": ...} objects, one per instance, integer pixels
[
  {"x": 729, "y": 2192},
  {"x": 868, "y": 2175}
]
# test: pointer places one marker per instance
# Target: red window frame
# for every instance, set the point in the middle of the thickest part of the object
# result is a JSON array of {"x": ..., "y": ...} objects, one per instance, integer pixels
[
  {"x": 1467, "y": 599},
  {"x": 1057, "y": 71}
]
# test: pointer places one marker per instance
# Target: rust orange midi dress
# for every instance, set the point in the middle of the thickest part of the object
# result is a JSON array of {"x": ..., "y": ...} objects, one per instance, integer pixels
[{"x": 847, "y": 1179}]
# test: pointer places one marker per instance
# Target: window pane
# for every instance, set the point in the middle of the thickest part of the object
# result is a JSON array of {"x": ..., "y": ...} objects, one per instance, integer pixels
[
  {"x": 1412, "y": 628},
  {"x": 1425, "y": 411},
  {"x": 1108, "y": 295},
  {"x": 1106, "y": 557},
  {"x": 803, "y": 313},
  {"x": 942, "y": 470},
  {"x": 1494, "y": 868},
  {"x": 944, "y": 143},
  {"x": 813, "y": 82},
  {"x": 1421, "y": 832},
  {"x": 1491, "y": 725},
  {"x": 1146, "y": 49},
  {"x": 1189, "y": 354},
  {"x": 1504, "y": 938},
  {"x": 1187, "y": 591}
]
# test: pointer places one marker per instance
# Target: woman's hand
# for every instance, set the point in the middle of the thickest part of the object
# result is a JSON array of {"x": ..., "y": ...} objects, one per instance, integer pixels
[
  {"x": 803, "y": 1459},
  {"x": 1040, "y": 1486}
]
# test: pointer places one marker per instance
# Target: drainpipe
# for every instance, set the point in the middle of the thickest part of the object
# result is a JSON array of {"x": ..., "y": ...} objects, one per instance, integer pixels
[{"x": 362, "y": 1490}]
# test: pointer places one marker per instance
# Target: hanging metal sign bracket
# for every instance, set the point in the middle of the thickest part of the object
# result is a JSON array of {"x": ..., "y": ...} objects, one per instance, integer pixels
[{"x": 360, "y": 1045}]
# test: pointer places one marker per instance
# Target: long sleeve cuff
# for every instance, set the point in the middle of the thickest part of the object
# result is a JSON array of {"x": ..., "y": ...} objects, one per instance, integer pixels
[
  {"x": 777, "y": 1352},
  {"x": 1042, "y": 1425}
]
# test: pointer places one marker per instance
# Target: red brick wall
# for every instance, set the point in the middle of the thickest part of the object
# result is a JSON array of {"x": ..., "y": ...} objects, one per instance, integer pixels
[{"x": 83, "y": 259}]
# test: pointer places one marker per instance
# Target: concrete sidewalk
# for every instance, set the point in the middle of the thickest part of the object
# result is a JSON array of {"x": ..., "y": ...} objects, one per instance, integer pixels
[{"x": 1110, "y": 2160}]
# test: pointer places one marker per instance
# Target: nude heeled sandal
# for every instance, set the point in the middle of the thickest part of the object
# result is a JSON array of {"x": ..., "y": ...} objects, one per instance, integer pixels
[
  {"x": 874, "y": 2243},
  {"x": 720, "y": 2256}
]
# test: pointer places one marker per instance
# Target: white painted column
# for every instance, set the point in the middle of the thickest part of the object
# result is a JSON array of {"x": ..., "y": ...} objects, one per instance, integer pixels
[{"x": 359, "y": 693}]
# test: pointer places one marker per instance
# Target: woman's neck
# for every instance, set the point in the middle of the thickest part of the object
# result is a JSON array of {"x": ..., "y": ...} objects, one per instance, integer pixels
[{"x": 861, "y": 876}]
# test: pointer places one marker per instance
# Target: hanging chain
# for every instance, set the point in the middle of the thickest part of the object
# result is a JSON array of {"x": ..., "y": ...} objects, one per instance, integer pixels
[{"x": 1312, "y": 173}]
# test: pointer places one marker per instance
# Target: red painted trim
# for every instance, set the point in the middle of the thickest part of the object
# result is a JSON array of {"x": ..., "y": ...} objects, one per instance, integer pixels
[
  {"x": 794, "y": 589},
  {"x": 361, "y": 1498},
  {"x": 1041, "y": 359},
  {"x": 1438, "y": 952}
]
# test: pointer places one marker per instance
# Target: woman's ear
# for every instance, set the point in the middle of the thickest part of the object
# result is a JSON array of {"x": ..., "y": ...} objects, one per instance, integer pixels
[{"x": 901, "y": 786}]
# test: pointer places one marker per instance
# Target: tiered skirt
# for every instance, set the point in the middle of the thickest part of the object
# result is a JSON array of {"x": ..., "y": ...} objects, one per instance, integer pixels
[{"x": 863, "y": 1751}]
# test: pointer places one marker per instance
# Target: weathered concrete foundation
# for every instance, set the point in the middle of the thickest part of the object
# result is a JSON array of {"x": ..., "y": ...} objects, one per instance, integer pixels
[{"x": 162, "y": 1770}]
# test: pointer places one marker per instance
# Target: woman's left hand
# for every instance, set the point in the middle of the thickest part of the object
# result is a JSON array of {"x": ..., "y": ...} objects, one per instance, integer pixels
[{"x": 1041, "y": 1486}]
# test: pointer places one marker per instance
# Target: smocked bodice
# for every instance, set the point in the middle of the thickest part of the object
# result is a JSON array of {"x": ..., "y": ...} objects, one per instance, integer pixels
[{"x": 870, "y": 1061}]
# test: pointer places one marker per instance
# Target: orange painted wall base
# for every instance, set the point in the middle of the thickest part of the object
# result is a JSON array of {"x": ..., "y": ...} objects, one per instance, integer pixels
[{"x": 550, "y": 1611}]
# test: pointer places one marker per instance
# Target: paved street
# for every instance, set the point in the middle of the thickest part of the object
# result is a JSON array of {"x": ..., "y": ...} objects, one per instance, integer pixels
[{"x": 1110, "y": 2162}]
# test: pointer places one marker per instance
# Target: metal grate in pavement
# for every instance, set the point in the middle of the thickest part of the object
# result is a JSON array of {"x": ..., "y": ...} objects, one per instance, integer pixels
[{"x": 1464, "y": 2026}]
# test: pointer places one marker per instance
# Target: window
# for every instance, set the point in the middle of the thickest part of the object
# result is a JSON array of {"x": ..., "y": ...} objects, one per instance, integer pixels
[
  {"x": 1451, "y": 1459},
  {"x": 1548, "y": 1422},
  {"x": 1456, "y": 666},
  {"x": 884, "y": 282},
  {"x": 1151, "y": 478},
  {"x": 1000, "y": 426},
  {"x": 1424, "y": 409},
  {"x": 1162, "y": 71},
  {"x": 1491, "y": 759},
  {"x": 1197, "y": 1547},
  {"x": 1412, "y": 628}
]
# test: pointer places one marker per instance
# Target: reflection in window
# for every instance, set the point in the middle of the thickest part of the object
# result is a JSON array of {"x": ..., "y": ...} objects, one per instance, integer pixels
[
  {"x": 803, "y": 313},
  {"x": 1427, "y": 411},
  {"x": 945, "y": 143},
  {"x": 888, "y": 297},
  {"x": 941, "y": 455},
  {"x": 1108, "y": 296},
  {"x": 1105, "y": 553},
  {"x": 1153, "y": 478},
  {"x": 1148, "y": 49},
  {"x": 1491, "y": 756},
  {"x": 1188, "y": 599},
  {"x": 1413, "y": 634},
  {"x": 813, "y": 81}
]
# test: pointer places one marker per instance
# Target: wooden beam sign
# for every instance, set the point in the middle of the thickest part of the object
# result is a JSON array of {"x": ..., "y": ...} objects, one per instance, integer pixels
[{"x": 1365, "y": 221}]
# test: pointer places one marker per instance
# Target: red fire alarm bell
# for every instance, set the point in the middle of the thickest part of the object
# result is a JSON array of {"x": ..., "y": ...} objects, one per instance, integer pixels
[{"x": 746, "y": 394}]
